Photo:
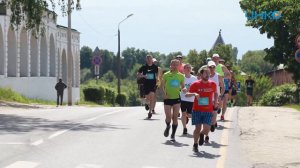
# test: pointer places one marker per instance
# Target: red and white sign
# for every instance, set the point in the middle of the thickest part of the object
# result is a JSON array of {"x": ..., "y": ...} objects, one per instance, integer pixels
[{"x": 97, "y": 60}]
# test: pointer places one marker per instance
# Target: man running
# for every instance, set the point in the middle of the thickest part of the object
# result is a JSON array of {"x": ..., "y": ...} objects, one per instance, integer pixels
[
  {"x": 149, "y": 72},
  {"x": 204, "y": 91},
  {"x": 181, "y": 65},
  {"x": 225, "y": 74},
  {"x": 249, "y": 88},
  {"x": 187, "y": 102},
  {"x": 220, "y": 86},
  {"x": 172, "y": 83}
]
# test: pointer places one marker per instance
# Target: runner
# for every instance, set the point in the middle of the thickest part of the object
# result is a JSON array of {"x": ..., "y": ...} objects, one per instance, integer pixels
[
  {"x": 159, "y": 79},
  {"x": 149, "y": 73},
  {"x": 233, "y": 89},
  {"x": 172, "y": 82},
  {"x": 249, "y": 88},
  {"x": 220, "y": 86},
  {"x": 181, "y": 65},
  {"x": 225, "y": 74},
  {"x": 187, "y": 102},
  {"x": 203, "y": 90}
]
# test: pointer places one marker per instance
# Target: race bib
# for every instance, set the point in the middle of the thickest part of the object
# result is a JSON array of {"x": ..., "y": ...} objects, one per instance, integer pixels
[
  {"x": 203, "y": 101},
  {"x": 174, "y": 83},
  {"x": 187, "y": 86},
  {"x": 149, "y": 76}
]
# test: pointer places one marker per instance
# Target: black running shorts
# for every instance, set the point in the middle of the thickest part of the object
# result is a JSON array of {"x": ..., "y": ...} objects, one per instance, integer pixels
[{"x": 186, "y": 106}]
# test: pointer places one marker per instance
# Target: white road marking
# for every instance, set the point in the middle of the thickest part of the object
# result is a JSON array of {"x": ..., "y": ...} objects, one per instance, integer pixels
[
  {"x": 89, "y": 166},
  {"x": 12, "y": 143},
  {"x": 58, "y": 133},
  {"x": 23, "y": 164},
  {"x": 224, "y": 141},
  {"x": 91, "y": 119},
  {"x": 38, "y": 142}
]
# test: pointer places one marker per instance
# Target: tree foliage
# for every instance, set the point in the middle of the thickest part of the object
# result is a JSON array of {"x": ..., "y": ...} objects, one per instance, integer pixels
[
  {"x": 33, "y": 11},
  {"x": 283, "y": 30},
  {"x": 253, "y": 62},
  {"x": 226, "y": 52}
]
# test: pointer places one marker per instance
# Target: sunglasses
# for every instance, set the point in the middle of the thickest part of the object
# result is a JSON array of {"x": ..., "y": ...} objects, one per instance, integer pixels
[{"x": 212, "y": 67}]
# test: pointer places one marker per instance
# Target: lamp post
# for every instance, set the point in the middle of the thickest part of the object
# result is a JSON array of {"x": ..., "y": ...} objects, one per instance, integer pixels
[
  {"x": 69, "y": 60},
  {"x": 119, "y": 57}
]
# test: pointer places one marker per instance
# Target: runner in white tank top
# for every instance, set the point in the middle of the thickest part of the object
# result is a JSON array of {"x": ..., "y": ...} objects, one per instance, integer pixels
[
  {"x": 218, "y": 80},
  {"x": 187, "y": 102}
]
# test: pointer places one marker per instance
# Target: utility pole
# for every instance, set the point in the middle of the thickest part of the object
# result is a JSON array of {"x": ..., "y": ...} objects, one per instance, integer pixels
[{"x": 69, "y": 59}]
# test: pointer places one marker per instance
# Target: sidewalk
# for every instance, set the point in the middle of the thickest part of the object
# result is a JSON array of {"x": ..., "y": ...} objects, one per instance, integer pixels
[{"x": 270, "y": 136}]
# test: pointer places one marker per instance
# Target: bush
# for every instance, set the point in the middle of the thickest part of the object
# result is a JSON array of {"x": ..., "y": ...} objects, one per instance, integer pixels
[
  {"x": 94, "y": 94},
  {"x": 261, "y": 86},
  {"x": 110, "y": 96},
  {"x": 121, "y": 99},
  {"x": 281, "y": 95},
  {"x": 133, "y": 99}
]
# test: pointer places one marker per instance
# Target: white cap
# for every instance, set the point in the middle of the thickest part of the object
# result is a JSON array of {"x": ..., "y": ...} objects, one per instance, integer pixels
[
  {"x": 211, "y": 63},
  {"x": 154, "y": 60},
  {"x": 216, "y": 55}
]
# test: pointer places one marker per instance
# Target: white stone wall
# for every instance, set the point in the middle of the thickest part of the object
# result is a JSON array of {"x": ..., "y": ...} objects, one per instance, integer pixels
[{"x": 33, "y": 66}]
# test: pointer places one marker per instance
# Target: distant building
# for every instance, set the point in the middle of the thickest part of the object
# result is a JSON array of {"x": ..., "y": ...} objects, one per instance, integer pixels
[
  {"x": 32, "y": 66},
  {"x": 280, "y": 76},
  {"x": 218, "y": 41}
]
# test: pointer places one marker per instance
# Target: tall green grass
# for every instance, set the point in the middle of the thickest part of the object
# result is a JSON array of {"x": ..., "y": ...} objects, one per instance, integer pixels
[{"x": 7, "y": 94}]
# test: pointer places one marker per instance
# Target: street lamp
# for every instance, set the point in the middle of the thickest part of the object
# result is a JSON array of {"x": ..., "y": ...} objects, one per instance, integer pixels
[
  {"x": 69, "y": 62},
  {"x": 119, "y": 57}
]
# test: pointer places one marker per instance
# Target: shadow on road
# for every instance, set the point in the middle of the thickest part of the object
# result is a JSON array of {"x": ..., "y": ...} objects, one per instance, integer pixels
[
  {"x": 12, "y": 124},
  {"x": 214, "y": 144},
  {"x": 203, "y": 154},
  {"x": 175, "y": 143}
]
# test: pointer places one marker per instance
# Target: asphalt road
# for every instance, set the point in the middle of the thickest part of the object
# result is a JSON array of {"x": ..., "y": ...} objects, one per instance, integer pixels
[{"x": 82, "y": 137}]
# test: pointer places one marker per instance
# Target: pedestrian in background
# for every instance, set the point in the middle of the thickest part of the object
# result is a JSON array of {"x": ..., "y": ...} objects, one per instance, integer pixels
[{"x": 60, "y": 87}]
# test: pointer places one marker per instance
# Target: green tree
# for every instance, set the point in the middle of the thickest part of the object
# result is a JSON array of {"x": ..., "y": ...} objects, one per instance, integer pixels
[
  {"x": 32, "y": 12},
  {"x": 85, "y": 57},
  {"x": 282, "y": 30},
  {"x": 226, "y": 52},
  {"x": 253, "y": 62},
  {"x": 197, "y": 60}
]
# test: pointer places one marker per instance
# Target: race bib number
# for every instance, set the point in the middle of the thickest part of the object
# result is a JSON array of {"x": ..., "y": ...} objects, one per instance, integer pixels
[
  {"x": 150, "y": 76},
  {"x": 203, "y": 101},
  {"x": 174, "y": 83}
]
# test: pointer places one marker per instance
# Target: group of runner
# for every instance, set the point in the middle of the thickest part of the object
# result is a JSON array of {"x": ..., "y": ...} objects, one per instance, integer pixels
[{"x": 200, "y": 96}]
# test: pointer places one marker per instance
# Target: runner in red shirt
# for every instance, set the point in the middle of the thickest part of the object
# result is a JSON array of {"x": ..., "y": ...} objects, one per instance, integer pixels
[{"x": 203, "y": 90}]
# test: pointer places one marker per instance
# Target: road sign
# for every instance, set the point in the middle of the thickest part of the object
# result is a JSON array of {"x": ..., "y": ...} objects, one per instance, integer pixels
[{"x": 97, "y": 60}]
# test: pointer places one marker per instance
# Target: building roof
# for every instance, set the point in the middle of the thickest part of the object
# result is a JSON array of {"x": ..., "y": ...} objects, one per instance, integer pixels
[
  {"x": 64, "y": 27},
  {"x": 219, "y": 40}
]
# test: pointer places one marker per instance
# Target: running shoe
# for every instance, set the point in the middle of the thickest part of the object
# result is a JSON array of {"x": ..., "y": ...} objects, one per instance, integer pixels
[
  {"x": 173, "y": 138},
  {"x": 184, "y": 131},
  {"x": 153, "y": 112},
  {"x": 207, "y": 139},
  {"x": 216, "y": 125},
  {"x": 219, "y": 110},
  {"x": 166, "y": 132},
  {"x": 212, "y": 128},
  {"x": 195, "y": 148},
  {"x": 147, "y": 107},
  {"x": 201, "y": 140},
  {"x": 149, "y": 115},
  {"x": 222, "y": 118}
]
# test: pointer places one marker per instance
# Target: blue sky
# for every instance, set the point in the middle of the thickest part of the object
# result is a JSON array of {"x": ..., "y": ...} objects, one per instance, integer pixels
[{"x": 165, "y": 25}]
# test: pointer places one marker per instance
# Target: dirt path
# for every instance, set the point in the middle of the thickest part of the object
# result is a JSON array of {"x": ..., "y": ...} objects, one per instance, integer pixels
[{"x": 270, "y": 136}]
